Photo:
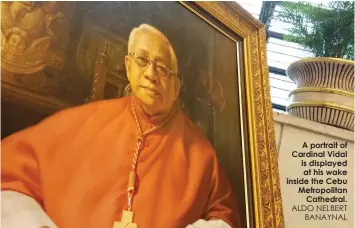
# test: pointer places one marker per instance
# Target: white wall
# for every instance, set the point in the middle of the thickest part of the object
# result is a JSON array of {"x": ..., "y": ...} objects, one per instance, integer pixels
[{"x": 291, "y": 133}]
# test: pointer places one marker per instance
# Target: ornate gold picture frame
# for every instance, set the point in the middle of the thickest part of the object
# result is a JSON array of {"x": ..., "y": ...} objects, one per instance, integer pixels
[
  {"x": 90, "y": 67},
  {"x": 266, "y": 207}
]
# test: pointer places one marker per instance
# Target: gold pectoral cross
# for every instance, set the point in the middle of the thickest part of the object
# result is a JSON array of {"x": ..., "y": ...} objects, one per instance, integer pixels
[{"x": 126, "y": 221}]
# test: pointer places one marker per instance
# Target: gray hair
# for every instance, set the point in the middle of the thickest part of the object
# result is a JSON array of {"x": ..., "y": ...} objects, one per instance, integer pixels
[{"x": 153, "y": 30}]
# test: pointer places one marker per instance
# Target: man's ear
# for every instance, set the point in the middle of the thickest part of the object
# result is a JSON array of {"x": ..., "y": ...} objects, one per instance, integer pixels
[
  {"x": 177, "y": 87},
  {"x": 127, "y": 63}
]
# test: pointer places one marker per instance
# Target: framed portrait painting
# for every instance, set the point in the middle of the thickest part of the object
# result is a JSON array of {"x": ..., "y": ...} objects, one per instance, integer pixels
[{"x": 79, "y": 57}]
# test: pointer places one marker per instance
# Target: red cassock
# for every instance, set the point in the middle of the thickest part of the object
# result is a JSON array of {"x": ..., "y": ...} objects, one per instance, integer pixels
[{"x": 75, "y": 164}]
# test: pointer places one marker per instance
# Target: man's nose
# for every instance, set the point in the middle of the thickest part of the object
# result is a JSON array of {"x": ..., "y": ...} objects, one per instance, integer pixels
[{"x": 150, "y": 73}]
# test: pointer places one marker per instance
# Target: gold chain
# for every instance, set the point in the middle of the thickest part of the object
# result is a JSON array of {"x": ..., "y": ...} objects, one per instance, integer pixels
[{"x": 132, "y": 173}]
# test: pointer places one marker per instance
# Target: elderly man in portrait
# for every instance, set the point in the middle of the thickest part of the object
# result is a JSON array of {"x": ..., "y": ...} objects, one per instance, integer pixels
[{"x": 136, "y": 161}]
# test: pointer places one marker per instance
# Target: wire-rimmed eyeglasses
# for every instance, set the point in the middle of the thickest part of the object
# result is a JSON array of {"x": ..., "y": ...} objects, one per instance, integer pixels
[{"x": 143, "y": 61}]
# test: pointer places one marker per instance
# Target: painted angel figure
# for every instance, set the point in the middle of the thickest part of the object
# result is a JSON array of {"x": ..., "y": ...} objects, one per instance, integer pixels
[{"x": 27, "y": 34}]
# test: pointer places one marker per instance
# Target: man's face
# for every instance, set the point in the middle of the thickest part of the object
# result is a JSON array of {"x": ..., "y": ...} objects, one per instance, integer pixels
[{"x": 155, "y": 91}]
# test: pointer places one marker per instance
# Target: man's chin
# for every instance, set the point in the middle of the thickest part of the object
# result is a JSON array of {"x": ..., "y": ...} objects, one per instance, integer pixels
[{"x": 148, "y": 101}]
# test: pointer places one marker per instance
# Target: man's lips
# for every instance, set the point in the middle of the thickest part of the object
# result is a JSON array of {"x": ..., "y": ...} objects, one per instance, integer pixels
[{"x": 150, "y": 89}]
